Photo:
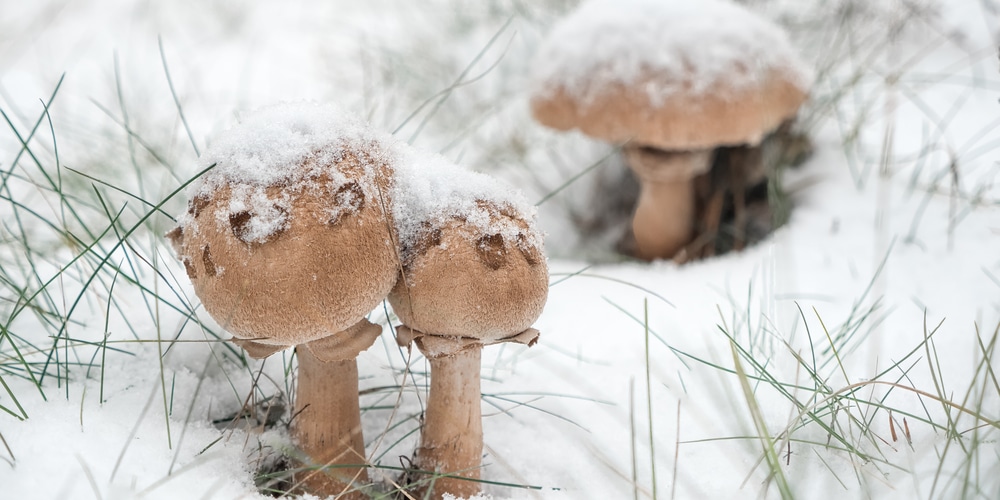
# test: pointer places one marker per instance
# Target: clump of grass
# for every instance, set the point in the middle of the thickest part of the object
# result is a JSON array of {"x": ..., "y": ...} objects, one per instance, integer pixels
[
  {"x": 917, "y": 415},
  {"x": 866, "y": 419},
  {"x": 83, "y": 270}
]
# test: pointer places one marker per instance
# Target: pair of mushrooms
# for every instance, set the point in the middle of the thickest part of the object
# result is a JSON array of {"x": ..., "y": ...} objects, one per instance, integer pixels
[
  {"x": 299, "y": 259},
  {"x": 673, "y": 81}
]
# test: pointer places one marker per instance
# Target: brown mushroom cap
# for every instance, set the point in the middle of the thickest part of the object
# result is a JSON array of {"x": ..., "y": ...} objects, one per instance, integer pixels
[
  {"x": 671, "y": 74},
  {"x": 325, "y": 261},
  {"x": 462, "y": 282},
  {"x": 718, "y": 116}
]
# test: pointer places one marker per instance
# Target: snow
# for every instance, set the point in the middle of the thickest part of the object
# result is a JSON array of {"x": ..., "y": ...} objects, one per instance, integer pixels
[
  {"x": 607, "y": 42},
  {"x": 268, "y": 216},
  {"x": 288, "y": 145},
  {"x": 431, "y": 190},
  {"x": 270, "y": 147},
  {"x": 120, "y": 443},
  {"x": 566, "y": 414},
  {"x": 265, "y": 148}
]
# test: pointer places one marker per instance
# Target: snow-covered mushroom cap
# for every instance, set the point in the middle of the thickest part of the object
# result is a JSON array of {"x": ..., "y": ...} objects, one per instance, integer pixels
[
  {"x": 286, "y": 240},
  {"x": 430, "y": 190},
  {"x": 480, "y": 277},
  {"x": 673, "y": 74}
]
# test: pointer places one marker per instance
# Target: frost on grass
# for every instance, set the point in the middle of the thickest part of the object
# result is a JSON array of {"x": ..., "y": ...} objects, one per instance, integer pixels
[
  {"x": 291, "y": 146},
  {"x": 690, "y": 46}
]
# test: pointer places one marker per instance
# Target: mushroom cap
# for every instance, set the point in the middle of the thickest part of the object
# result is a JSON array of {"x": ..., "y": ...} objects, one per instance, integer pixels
[
  {"x": 298, "y": 260},
  {"x": 668, "y": 73},
  {"x": 463, "y": 282}
]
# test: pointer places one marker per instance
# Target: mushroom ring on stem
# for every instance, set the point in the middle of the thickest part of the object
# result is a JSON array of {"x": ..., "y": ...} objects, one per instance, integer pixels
[
  {"x": 462, "y": 288},
  {"x": 288, "y": 242}
]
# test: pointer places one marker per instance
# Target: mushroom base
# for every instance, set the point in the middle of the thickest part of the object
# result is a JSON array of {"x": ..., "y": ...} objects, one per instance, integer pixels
[
  {"x": 327, "y": 427},
  {"x": 738, "y": 202},
  {"x": 451, "y": 442}
]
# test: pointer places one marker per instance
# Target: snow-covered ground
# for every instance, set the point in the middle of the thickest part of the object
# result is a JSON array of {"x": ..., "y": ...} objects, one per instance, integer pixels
[{"x": 895, "y": 234}]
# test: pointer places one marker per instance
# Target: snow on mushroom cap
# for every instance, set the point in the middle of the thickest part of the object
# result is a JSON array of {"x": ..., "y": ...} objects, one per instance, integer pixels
[
  {"x": 265, "y": 146},
  {"x": 692, "y": 45},
  {"x": 285, "y": 144},
  {"x": 262, "y": 149},
  {"x": 430, "y": 190},
  {"x": 269, "y": 146}
]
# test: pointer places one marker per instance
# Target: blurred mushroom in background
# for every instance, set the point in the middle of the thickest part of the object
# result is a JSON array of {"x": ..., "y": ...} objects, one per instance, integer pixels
[{"x": 672, "y": 81}]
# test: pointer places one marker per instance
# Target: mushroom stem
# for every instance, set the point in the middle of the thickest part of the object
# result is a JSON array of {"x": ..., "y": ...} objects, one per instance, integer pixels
[
  {"x": 664, "y": 217},
  {"x": 451, "y": 441},
  {"x": 327, "y": 425}
]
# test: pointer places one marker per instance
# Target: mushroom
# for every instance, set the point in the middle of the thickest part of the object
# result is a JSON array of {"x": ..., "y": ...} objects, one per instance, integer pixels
[
  {"x": 469, "y": 280},
  {"x": 287, "y": 243},
  {"x": 672, "y": 80}
]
